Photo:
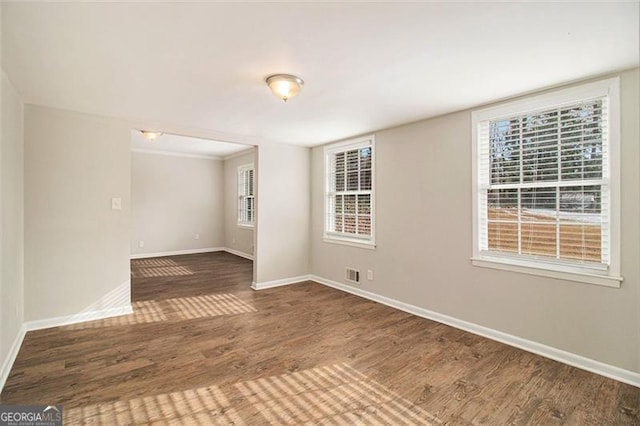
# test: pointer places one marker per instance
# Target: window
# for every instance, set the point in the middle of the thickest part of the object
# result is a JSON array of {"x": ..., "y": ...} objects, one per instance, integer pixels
[
  {"x": 546, "y": 195},
  {"x": 246, "y": 200},
  {"x": 349, "y": 192}
]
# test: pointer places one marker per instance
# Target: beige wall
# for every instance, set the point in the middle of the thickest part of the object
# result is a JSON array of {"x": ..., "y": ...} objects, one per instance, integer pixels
[
  {"x": 235, "y": 237},
  {"x": 423, "y": 216},
  {"x": 11, "y": 215},
  {"x": 77, "y": 249},
  {"x": 173, "y": 198},
  {"x": 282, "y": 243},
  {"x": 76, "y": 246}
]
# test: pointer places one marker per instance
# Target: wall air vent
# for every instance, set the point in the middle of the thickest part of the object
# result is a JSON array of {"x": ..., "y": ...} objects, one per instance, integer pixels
[{"x": 352, "y": 275}]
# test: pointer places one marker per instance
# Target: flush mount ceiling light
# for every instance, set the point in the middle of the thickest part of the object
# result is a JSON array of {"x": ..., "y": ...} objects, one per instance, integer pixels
[
  {"x": 284, "y": 86},
  {"x": 152, "y": 136}
]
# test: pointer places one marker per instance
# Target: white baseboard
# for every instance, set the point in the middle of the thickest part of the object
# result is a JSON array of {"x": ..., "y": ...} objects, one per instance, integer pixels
[
  {"x": 176, "y": 253},
  {"x": 597, "y": 367},
  {"x": 238, "y": 253},
  {"x": 191, "y": 251},
  {"x": 77, "y": 318},
  {"x": 54, "y": 322},
  {"x": 11, "y": 357},
  {"x": 279, "y": 283}
]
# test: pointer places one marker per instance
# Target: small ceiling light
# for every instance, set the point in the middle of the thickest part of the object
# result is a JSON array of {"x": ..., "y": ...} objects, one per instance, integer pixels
[
  {"x": 152, "y": 136},
  {"x": 284, "y": 86}
]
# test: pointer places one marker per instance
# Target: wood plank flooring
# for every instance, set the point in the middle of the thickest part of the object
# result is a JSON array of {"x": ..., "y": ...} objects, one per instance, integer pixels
[{"x": 202, "y": 348}]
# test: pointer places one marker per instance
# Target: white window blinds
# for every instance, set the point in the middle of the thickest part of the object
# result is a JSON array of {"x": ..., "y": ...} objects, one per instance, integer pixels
[
  {"x": 543, "y": 184},
  {"x": 246, "y": 201},
  {"x": 349, "y": 191}
]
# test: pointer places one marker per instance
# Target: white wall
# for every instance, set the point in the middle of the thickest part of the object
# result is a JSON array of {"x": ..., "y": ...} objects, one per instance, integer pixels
[
  {"x": 236, "y": 237},
  {"x": 76, "y": 247},
  {"x": 423, "y": 217},
  {"x": 282, "y": 243},
  {"x": 11, "y": 215},
  {"x": 173, "y": 198}
]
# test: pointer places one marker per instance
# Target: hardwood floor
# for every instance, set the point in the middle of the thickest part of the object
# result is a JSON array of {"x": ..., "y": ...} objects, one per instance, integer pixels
[{"x": 202, "y": 348}]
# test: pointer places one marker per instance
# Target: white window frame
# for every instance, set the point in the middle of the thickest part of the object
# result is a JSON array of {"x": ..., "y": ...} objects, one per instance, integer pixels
[
  {"x": 344, "y": 238},
  {"x": 242, "y": 170},
  {"x": 606, "y": 276}
]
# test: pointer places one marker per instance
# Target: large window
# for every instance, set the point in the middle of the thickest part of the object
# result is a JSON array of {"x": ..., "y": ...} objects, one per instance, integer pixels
[
  {"x": 349, "y": 192},
  {"x": 546, "y": 184},
  {"x": 246, "y": 200}
]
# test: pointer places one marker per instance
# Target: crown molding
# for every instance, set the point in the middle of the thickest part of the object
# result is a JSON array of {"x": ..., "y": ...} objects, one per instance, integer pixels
[
  {"x": 176, "y": 154},
  {"x": 238, "y": 154}
]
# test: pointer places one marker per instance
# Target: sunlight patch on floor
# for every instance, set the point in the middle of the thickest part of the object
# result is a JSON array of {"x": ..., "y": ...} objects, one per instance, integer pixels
[
  {"x": 209, "y": 305},
  {"x": 158, "y": 267},
  {"x": 178, "y": 309},
  {"x": 143, "y": 312},
  {"x": 336, "y": 394},
  {"x": 162, "y": 271},
  {"x": 202, "y": 406},
  {"x": 153, "y": 262}
]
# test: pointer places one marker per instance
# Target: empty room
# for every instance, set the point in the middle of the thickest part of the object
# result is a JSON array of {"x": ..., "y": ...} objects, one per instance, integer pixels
[{"x": 343, "y": 213}]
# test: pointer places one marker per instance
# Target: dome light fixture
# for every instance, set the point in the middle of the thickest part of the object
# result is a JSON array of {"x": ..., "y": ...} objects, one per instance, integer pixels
[
  {"x": 284, "y": 86},
  {"x": 152, "y": 136}
]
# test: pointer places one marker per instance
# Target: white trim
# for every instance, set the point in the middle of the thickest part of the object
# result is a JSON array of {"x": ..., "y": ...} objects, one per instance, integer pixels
[
  {"x": 191, "y": 251},
  {"x": 279, "y": 283},
  {"x": 344, "y": 145},
  {"x": 238, "y": 154},
  {"x": 238, "y": 253},
  {"x": 615, "y": 141},
  {"x": 349, "y": 242},
  {"x": 593, "y": 366},
  {"x": 176, "y": 154},
  {"x": 247, "y": 166},
  {"x": 77, "y": 318},
  {"x": 557, "y": 97},
  {"x": 176, "y": 252},
  {"x": 115, "y": 303},
  {"x": 538, "y": 269},
  {"x": 607, "y": 87},
  {"x": 242, "y": 170},
  {"x": 7, "y": 365},
  {"x": 355, "y": 143},
  {"x": 54, "y": 322}
]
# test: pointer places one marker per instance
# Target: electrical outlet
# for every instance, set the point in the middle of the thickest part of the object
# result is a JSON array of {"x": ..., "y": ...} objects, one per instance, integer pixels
[
  {"x": 197, "y": 236},
  {"x": 233, "y": 240},
  {"x": 140, "y": 244},
  {"x": 370, "y": 275}
]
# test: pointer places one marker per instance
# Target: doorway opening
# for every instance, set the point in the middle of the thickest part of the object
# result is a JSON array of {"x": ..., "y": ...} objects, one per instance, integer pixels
[{"x": 192, "y": 209}]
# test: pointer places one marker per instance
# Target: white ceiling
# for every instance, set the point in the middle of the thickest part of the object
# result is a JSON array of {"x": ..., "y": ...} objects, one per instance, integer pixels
[
  {"x": 168, "y": 143},
  {"x": 366, "y": 66}
]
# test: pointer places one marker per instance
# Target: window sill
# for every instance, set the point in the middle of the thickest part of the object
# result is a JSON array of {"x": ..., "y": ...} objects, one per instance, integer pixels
[
  {"x": 242, "y": 226},
  {"x": 583, "y": 277},
  {"x": 352, "y": 243}
]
